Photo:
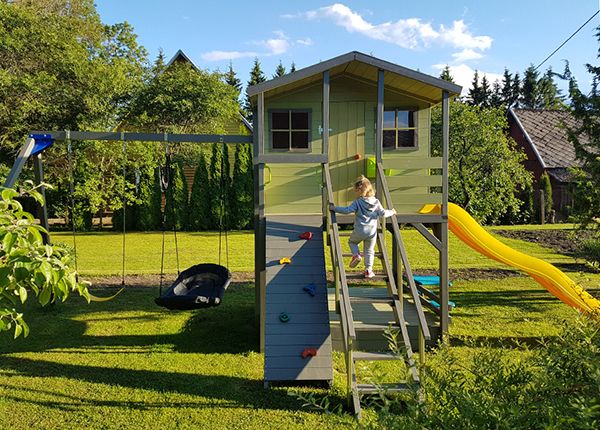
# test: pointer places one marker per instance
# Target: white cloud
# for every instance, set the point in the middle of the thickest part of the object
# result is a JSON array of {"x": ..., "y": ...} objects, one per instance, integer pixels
[
  {"x": 227, "y": 55},
  {"x": 307, "y": 41},
  {"x": 411, "y": 33},
  {"x": 276, "y": 46},
  {"x": 463, "y": 76},
  {"x": 466, "y": 55}
]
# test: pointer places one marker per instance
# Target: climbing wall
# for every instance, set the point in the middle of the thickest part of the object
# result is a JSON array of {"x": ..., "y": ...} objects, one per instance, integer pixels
[{"x": 297, "y": 336}]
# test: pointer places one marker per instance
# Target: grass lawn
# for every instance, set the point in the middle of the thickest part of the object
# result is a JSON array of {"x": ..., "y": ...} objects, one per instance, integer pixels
[{"x": 129, "y": 364}]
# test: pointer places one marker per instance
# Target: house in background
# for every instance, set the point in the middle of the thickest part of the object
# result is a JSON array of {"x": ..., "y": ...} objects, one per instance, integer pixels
[{"x": 542, "y": 134}]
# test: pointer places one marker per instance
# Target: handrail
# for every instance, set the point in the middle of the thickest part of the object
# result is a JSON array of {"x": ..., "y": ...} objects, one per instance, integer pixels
[
  {"x": 338, "y": 258},
  {"x": 405, "y": 262}
]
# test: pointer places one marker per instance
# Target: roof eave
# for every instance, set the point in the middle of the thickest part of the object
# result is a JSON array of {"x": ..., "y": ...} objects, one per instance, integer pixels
[
  {"x": 535, "y": 150},
  {"x": 346, "y": 58}
]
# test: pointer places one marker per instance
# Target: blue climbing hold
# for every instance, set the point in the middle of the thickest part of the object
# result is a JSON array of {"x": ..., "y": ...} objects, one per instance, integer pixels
[{"x": 310, "y": 289}]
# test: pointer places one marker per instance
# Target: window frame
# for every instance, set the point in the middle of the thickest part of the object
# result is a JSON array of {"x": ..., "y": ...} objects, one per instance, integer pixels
[
  {"x": 415, "y": 113},
  {"x": 290, "y": 130}
]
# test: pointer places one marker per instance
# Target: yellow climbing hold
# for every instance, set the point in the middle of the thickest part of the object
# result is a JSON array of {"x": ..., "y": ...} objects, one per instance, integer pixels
[{"x": 285, "y": 260}]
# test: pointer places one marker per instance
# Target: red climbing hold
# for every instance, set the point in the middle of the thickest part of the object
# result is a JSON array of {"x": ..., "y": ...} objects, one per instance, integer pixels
[
  {"x": 309, "y": 352},
  {"x": 307, "y": 235}
]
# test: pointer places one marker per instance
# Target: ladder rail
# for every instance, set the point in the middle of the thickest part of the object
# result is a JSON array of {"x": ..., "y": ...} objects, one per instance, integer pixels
[{"x": 400, "y": 244}]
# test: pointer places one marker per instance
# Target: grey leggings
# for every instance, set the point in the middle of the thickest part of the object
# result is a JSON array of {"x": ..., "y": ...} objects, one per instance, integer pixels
[{"x": 369, "y": 238}]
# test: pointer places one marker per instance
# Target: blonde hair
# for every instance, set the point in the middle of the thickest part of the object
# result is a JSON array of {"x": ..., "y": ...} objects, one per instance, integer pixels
[{"x": 364, "y": 187}]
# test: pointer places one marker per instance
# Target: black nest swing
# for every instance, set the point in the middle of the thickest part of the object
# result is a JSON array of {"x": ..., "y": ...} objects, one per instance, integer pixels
[{"x": 202, "y": 285}]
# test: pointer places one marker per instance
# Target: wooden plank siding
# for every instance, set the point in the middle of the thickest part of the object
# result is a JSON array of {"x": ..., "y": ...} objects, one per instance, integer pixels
[{"x": 308, "y": 326}]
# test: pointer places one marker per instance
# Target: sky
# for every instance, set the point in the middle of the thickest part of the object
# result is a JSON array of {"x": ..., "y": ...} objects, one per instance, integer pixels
[{"x": 483, "y": 35}]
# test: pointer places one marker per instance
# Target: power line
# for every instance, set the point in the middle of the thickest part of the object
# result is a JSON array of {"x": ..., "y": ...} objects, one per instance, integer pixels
[{"x": 570, "y": 37}]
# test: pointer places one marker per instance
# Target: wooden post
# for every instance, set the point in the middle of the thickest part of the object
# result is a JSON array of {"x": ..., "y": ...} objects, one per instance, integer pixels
[
  {"x": 443, "y": 227},
  {"x": 379, "y": 128}
]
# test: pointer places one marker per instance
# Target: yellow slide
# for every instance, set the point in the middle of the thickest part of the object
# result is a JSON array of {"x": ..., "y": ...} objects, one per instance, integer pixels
[{"x": 554, "y": 280}]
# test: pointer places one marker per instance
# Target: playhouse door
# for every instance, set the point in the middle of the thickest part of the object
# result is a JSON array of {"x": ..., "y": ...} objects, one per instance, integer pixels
[{"x": 346, "y": 141}]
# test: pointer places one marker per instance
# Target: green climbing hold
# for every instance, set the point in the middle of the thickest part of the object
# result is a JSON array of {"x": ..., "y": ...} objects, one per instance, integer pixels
[{"x": 283, "y": 317}]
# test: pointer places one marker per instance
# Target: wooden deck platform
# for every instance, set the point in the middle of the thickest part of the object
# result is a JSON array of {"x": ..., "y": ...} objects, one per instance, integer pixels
[
  {"x": 308, "y": 325},
  {"x": 368, "y": 315}
]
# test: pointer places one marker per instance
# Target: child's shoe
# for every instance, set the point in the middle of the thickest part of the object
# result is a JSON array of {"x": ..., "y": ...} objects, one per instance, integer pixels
[
  {"x": 355, "y": 260},
  {"x": 369, "y": 274}
]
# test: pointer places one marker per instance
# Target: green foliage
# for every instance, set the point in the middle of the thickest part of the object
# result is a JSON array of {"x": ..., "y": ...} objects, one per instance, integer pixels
[
  {"x": 61, "y": 68},
  {"x": 242, "y": 192},
  {"x": 280, "y": 70},
  {"x": 446, "y": 75},
  {"x": 590, "y": 251},
  {"x": 546, "y": 188},
  {"x": 29, "y": 266},
  {"x": 256, "y": 77},
  {"x": 485, "y": 171},
  {"x": 199, "y": 216},
  {"x": 586, "y": 139},
  {"x": 148, "y": 208},
  {"x": 176, "y": 199}
]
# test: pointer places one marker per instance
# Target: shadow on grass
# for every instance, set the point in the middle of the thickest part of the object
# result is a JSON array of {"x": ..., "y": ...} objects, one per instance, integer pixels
[
  {"x": 228, "y": 328},
  {"x": 525, "y": 300},
  {"x": 234, "y": 391}
]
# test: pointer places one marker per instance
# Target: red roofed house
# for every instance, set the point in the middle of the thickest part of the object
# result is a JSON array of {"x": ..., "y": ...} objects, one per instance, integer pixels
[{"x": 542, "y": 134}]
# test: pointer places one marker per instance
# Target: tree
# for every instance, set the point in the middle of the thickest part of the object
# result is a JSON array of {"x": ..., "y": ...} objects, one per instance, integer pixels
[
  {"x": 215, "y": 189},
  {"x": 507, "y": 89},
  {"x": 200, "y": 201},
  {"x": 516, "y": 91},
  {"x": 280, "y": 70},
  {"x": 530, "y": 94},
  {"x": 256, "y": 77},
  {"x": 242, "y": 195},
  {"x": 232, "y": 80},
  {"x": 446, "y": 75},
  {"x": 293, "y": 67},
  {"x": 27, "y": 266},
  {"x": 475, "y": 90},
  {"x": 148, "y": 207},
  {"x": 176, "y": 198},
  {"x": 485, "y": 170},
  {"x": 496, "y": 99},
  {"x": 549, "y": 95},
  {"x": 586, "y": 139},
  {"x": 546, "y": 188},
  {"x": 485, "y": 92}
]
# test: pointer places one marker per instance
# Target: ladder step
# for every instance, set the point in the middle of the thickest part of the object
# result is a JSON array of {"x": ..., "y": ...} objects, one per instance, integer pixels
[
  {"x": 349, "y": 254},
  {"x": 374, "y": 356},
  {"x": 377, "y": 277},
  {"x": 374, "y": 327},
  {"x": 387, "y": 388},
  {"x": 359, "y": 300}
]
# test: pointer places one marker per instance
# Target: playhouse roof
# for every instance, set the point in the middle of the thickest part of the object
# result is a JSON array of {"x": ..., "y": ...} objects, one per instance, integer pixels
[
  {"x": 545, "y": 130},
  {"x": 364, "y": 67}
]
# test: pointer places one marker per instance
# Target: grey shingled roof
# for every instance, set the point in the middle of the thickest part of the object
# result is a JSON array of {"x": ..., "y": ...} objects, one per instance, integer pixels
[{"x": 546, "y": 131}]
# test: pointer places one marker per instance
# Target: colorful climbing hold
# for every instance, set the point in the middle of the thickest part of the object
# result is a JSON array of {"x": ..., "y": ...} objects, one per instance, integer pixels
[
  {"x": 285, "y": 260},
  {"x": 310, "y": 289},
  {"x": 283, "y": 317},
  {"x": 309, "y": 352},
  {"x": 307, "y": 235}
]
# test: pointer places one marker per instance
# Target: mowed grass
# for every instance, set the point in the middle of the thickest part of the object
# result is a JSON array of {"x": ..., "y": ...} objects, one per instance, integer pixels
[{"x": 129, "y": 364}]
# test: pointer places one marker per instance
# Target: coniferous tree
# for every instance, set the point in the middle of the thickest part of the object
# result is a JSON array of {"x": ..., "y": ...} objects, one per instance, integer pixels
[
  {"x": 215, "y": 190},
  {"x": 232, "y": 79},
  {"x": 530, "y": 91},
  {"x": 293, "y": 67},
  {"x": 280, "y": 70},
  {"x": 242, "y": 196},
  {"x": 176, "y": 199},
  {"x": 226, "y": 187},
  {"x": 159, "y": 63},
  {"x": 550, "y": 96},
  {"x": 546, "y": 188},
  {"x": 256, "y": 77},
  {"x": 485, "y": 92},
  {"x": 446, "y": 75},
  {"x": 475, "y": 90},
  {"x": 496, "y": 95},
  {"x": 199, "y": 207},
  {"x": 516, "y": 91},
  {"x": 507, "y": 89},
  {"x": 147, "y": 211}
]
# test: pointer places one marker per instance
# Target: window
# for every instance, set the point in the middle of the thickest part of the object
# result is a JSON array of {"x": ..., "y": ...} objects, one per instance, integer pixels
[
  {"x": 290, "y": 130},
  {"x": 399, "y": 129}
]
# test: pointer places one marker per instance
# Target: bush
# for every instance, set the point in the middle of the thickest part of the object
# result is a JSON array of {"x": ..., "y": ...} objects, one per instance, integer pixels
[
  {"x": 589, "y": 250},
  {"x": 176, "y": 204},
  {"x": 148, "y": 209},
  {"x": 199, "y": 217},
  {"x": 546, "y": 188},
  {"x": 28, "y": 266},
  {"x": 242, "y": 192}
]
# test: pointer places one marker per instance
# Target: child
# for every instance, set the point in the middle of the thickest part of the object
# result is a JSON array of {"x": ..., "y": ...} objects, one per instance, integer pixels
[{"x": 366, "y": 209}]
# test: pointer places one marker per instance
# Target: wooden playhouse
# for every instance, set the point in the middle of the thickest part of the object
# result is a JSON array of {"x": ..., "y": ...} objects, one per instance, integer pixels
[{"x": 315, "y": 131}]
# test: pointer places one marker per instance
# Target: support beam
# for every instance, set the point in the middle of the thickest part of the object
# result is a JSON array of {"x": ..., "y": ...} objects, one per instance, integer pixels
[
  {"x": 39, "y": 180},
  {"x": 443, "y": 227},
  {"x": 445, "y": 149},
  {"x": 291, "y": 158},
  {"x": 24, "y": 154},
  {"x": 379, "y": 127},
  {"x": 326, "y": 112},
  {"x": 427, "y": 235},
  {"x": 148, "y": 137}
]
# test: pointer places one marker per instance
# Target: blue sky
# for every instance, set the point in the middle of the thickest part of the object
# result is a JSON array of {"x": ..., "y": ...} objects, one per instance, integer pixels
[{"x": 425, "y": 35}]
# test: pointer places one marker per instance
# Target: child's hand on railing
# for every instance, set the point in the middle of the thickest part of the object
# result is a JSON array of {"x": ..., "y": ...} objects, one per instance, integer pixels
[
  {"x": 331, "y": 207},
  {"x": 394, "y": 211}
]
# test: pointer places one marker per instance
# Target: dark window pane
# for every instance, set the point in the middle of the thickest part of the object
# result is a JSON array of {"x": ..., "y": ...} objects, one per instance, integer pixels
[
  {"x": 405, "y": 119},
  {"x": 406, "y": 138},
  {"x": 300, "y": 139},
  {"x": 280, "y": 121},
  {"x": 281, "y": 140},
  {"x": 389, "y": 120},
  {"x": 389, "y": 139},
  {"x": 300, "y": 120}
]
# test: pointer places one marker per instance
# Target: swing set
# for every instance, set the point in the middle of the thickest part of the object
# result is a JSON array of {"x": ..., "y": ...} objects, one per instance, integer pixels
[{"x": 200, "y": 286}]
